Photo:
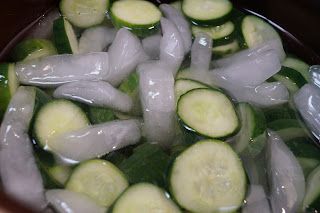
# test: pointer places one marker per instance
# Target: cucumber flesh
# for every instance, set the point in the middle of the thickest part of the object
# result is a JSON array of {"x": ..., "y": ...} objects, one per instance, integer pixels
[
  {"x": 98, "y": 179},
  {"x": 308, "y": 165},
  {"x": 32, "y": 49},
  {"x": 256, "y": 31},
  {"x": 207, "y": 12},
  {"x": 8, "y": 85},
  {"x": 84, "y": 13},
  {"x": 208, "y": 177},
  {"x": 298, "y": 65},
  {"x": 208, "y": 112},
  {"x": 226, "y": 49},
  {"x": 64, "y": 37},
  {"x": 312, "y": 196},
  {"x": 141, "y": 17},
  {"x": 144, "y": 197},
  {"x": 183, "y": 86},
  {"x": 251, "y": 138},
  {"x": 221, "y": 35},
  {"x": 288, "y": 129},
  {"x": 55, "y": 118}
]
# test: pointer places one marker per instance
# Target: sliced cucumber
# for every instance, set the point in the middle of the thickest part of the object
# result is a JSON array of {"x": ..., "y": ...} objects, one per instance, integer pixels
[
  {"x": 291, "y": 78},
  {"x": 298, "y": 65},
  {"x": 221, "y": 35},
  {"x": 288, "y": 129},
  {"x": 312, "y": 197},
  {"x": 207, "y": 12},
  {"x": 8, "y": 85},
  {"x": 303, "y": 148},
  {"x": 32, "y": 49},
  {"x": 141, "y": 17},
  {"x": 308, "y": 164},
  {"x": 227, "y": 49},
  {"x": 256, "y": 31},
  {"x": 208, "y": 177},
  {"x": 208, "y": 112},
  {"x": 144, "y": 197},
  {"x": 279, "y": 112},
  {"x": 55, "y": 118},
  {"x": 98, "y": 115},
  {"x": 98, "y": 179},
  {"x": 154, "y": 168},
  {"x": 60, "y": 173},
  {"x": 251, "y": 138},
  {"x": 64, "y": 37},
  {"x": 130, "y": 86},
  {"x": 183, "y": 86},
  {"x": 84, "y": 13}
]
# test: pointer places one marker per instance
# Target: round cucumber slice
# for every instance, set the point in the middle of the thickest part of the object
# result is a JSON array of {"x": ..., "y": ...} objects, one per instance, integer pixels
[
  {"x": 183, "y": 86},
  {"x": 141, "y": 17},
  {"x": 84, "y": 13},
  {"x": 55, "y": 118},
  {"x": 208, "y": 112},
  {"x": 208, "y": 177},
  {"x": 32, "y": 49},
  {"x": 144, "y": 197},
  {"x": 100, "y": 180},
  {"x": 226, "y": 49},
  {"x": 256, "y": 31},
  {"x": 207, "y": 12}
]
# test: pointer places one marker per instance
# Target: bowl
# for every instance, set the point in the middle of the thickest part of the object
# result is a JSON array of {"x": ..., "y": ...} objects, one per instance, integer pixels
[{"x": 300, "y": 33}]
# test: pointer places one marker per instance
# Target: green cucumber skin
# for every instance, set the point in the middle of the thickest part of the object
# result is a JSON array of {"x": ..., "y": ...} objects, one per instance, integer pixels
[
  {"x": 223, "y": 41},
  {"x": 237, "y": 16},
  {"x": 208, "y": 23},
  {"x": 5, "y": 95},
  {"x": 25, "y": 48},
  {"x": 293, "y": 75},
  {"x": 260, "y": 122},
  {"x": 280, "y": 112},
  {"x": 61, "y": 42},
  {"x": 303, "y": 147},
  {"x": 283, "y": 124},
  {"x": 98, "y": 115},
  {"x": 41, "y": 99},
  {"x": 139, "y": 30},
  {"x": 197, "y": 134},
  {"x": 154, "y": 168},
  {"x": 45, "y": 160}
]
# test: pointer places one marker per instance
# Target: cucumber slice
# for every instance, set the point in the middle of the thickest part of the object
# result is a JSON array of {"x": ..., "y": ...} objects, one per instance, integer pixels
[
  {"x": 32, "y": 49},
  {"x": 303, "y": 148},
  {"x": 154, "y": 168},
  {"x": 144, "y": 197},
  {"x": 183, "y": 86},
  {"x": 55, "y": 118},
  {"x": 256, "y": 31},
  {"x": 221, "y": 35},
  {"x": 208, "y": 177},
  {"x": 227, "y": 49},
  {"x": 60, "y": 173},
  {"x": 8, "y": 85},
  {"x": 308, "y": 165},
  {"x": 298, "y": 65},
  {"x": 279, "y": 112},
  {"x": 208, "y": 112},
  {"x": 251, "y": 138},
  {"x": 141, "y": 17},
  {"x": 64, "y": 37},
  {"x": 312, "y": 197},
  {"x": 84, "y": 13},
  {"x": 291, "y": 78},
  {"x": 288, "y": 129},
  {"x": 98, "y": 115},
  {"x": 98, "y": 179},
  {"x": 207, "y": 12}
]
